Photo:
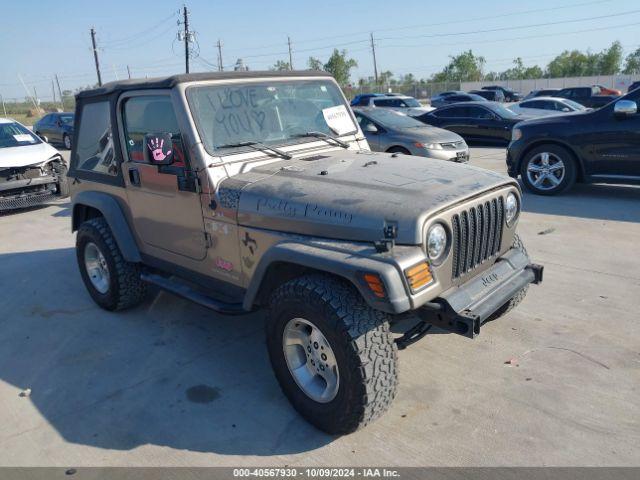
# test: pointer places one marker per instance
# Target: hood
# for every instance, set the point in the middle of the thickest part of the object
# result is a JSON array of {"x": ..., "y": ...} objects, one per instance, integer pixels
[
  {"x": 565, "y": 118},
  {"x": 415, "y": 111},
  {"x": 429, "y": 134},
  {"x": 26, "y": 155},
  {"x": 351, "y": 195}
]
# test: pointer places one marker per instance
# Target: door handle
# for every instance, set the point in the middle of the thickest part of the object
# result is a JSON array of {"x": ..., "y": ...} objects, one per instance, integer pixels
[{"x": 134, "y": 177}]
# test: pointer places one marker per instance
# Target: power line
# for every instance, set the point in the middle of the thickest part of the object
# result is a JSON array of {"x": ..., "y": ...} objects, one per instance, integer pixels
[{"x": 141, "y": 33}]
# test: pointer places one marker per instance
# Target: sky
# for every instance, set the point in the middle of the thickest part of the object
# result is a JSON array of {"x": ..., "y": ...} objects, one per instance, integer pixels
[{"x": 42, "y": 38}]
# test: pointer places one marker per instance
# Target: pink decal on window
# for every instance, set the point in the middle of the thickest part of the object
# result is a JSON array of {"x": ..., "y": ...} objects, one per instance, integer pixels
[{"x": 156, "y": 146}]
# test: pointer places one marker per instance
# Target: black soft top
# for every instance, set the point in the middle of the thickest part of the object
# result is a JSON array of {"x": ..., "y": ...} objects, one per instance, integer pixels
[{"x": 173, "y": 80}]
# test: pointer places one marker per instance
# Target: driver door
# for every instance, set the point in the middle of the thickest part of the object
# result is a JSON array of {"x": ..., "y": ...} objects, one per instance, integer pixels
[{"x": 163, "y": 199}]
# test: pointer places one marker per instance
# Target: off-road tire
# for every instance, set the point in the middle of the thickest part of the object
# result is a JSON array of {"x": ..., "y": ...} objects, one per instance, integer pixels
[
  {"x": 402, "y": 150},
  {"x": 518, "y": 297},
  {"x": 63, "y": 180},
  {"x": 365, "y": 352},
  {"x": 571, "y": 169},
  {"x": 125, "y": 287}
]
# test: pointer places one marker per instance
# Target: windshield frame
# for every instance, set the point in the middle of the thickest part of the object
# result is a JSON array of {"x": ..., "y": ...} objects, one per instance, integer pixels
[{"x": 293, "y": 141}]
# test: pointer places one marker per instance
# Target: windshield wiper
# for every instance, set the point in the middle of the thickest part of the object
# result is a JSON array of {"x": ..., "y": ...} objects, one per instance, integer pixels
[
  {"x": 325, "y": 137},
  {"x": 258, "y": 146}
]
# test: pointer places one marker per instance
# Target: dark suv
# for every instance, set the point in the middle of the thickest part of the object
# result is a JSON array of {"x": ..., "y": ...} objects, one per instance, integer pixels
[
  {"x": 509, "y": 95},
  {"x": 552, "y": 153}
]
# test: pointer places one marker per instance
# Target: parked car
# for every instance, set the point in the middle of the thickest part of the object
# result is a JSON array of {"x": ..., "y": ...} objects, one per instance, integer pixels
[
  {"x": 362, "y": 99},
  {"x": 483, "y": 122},
  {"x": 457, "y": 98},
  {"x": 394, "y": 132},
  {"x": 397, "y": 102},
  {"x": 551, "y": 154},
  {"x": 56, "y": 128},
  {"x": 545, "y": 106},
  {"x": 544, "y": 92},
  {"x": 491, "y": 95},
  {"x": 509, "y": 95},
  {"x": 281, "y": 205},
  {"x": 31, "y": 171},
  {"x": 608, "y": 91},
  {"x": 588, "y": 96},
  {"x": 436, "y": 98},
  {"x": 633, "y": 86}
]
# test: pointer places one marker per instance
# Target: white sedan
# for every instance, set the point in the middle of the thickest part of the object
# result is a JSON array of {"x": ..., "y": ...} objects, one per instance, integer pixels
[
  {"x": 32, "y": 172},
  {"x": 546, "y": 106}
]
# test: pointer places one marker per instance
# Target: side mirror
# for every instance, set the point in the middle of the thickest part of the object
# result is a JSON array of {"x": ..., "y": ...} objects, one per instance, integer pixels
[
  {"x": 158, "y": 148},
  {"x": 625, "y": 108},
  {"x": 371, "y": 128}
]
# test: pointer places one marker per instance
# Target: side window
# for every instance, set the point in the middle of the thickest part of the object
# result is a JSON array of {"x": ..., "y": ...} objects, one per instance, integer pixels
[
  {"x": 363, "y": 121},
  {"x": 94, "y": 145},
  {"x": 479, "y": 113},
  {"x": 455, "y": 112},
  {"x": 150, "y": 114}
]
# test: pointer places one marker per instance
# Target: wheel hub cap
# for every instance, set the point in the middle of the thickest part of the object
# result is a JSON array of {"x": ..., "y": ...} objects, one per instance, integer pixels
[
  {"x": 545, "y": 171},
  {"x": 310, "y": 360},
  {"x": 97, "y": 268}
]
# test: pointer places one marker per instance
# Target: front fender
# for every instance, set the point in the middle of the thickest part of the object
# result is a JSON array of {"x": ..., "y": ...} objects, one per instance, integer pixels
[
  {"x": 110, "y": 209},
  {"x": 342, "y": 263}
]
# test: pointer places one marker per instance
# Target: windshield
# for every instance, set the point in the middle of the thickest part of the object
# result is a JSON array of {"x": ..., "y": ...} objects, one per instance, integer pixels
[
  {"x": 391, "y": 119},
  {"x": 270, "y": 112},
  {"x": 412, "y": 102},
  {"x": 575, "y": 105},
  {"x": 66, "y": 119},
  {"x": 15, "y": 135}
]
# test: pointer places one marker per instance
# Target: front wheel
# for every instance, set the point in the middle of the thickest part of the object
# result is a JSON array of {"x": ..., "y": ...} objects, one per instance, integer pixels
[
  {"x": 112, "y": 282},
  {"x": 333, "y": 355},
  {"x": 548, "y": 170}
]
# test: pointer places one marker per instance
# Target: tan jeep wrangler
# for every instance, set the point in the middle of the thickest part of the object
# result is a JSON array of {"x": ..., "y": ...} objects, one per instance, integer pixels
[{"x": 244, "y": 190}]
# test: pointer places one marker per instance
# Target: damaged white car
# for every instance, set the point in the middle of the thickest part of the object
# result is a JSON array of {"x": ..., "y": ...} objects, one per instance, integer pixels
[{"x": 32, "y": 172}]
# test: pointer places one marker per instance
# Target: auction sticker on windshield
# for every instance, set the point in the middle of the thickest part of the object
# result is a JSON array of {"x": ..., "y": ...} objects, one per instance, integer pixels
[
  {"x": 338, "y": 119},
  {"x": 24, "y": 137}
]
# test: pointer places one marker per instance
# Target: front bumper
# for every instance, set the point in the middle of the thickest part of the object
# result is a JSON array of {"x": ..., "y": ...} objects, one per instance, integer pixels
[
  {"x": 459, "y": 155},
  {"x": 465, "y": 308},
  {"x": 28, "y": 192}
]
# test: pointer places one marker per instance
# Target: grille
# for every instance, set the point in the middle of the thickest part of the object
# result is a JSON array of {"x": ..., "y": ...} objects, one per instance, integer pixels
[{"x": 477, "y": 234}]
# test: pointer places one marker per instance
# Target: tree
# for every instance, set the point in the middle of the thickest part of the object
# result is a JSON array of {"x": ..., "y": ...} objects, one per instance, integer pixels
[
  {"x": 632, "y": 63},
  {"x": 314, "y": 64},
  {"x": 576, "y": 63},
  {"x": 609, "y": 60},
  {"x": 340, "y": 66},
  {"x": 281, "y": 66},
  {"x": 462, "y": 68},
  {"x": 385, "y": 78}
]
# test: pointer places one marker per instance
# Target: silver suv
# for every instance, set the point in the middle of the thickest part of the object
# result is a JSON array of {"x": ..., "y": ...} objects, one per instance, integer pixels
[{"x": 247, "y": 190}]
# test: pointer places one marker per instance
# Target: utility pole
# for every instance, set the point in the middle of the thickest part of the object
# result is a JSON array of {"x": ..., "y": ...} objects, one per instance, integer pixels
[
  {"x": 220, "y": 64},
  {"x": 60, "y": 92},
  {"x": 53, "y": 90},
  {"x": 35, "y": 95},
  {"x": 4, "y": 109},
  {"x": 186, "y": 39},
  {"x": 290, "y": 56},
  {"x": 95, "y": 55},
  {"x": 375, "y": 64},
  {"x": 128, "y": 72}
]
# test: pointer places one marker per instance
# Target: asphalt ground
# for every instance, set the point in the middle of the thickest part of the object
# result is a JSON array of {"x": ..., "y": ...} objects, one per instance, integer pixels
[{"x": 169, "y": 383}]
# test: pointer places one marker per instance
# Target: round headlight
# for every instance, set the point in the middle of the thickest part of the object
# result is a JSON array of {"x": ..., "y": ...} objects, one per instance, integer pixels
[
  {"x": 436, "y": 242},
  {"x": 511, "y": 209}
]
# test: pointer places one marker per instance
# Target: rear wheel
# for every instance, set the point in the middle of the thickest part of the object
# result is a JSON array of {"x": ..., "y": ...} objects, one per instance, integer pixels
[
  {"x": 332, "y": 354},
  {"x": 548, "y": 170},
  {"x": 66, "y": 139},
  {"x": 112, "y": 282}
]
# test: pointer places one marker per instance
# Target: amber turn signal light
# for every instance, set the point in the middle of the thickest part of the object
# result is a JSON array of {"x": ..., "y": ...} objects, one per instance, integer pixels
[
  {"x": 419, "y": 276},
  {"x": 375, "y": 284}
]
